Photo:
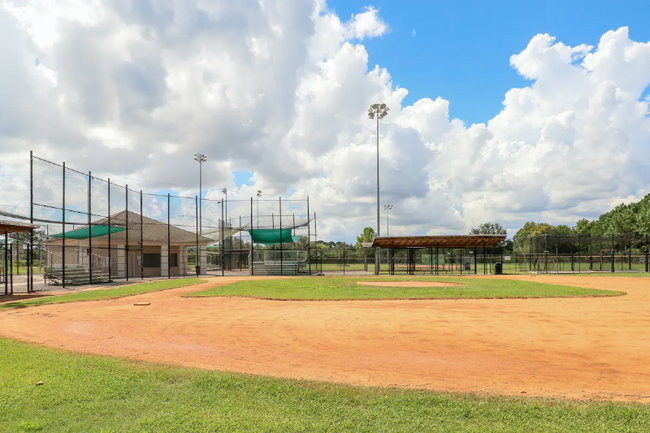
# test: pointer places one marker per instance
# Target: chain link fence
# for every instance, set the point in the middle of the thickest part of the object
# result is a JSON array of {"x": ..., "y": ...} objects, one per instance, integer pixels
[
  {"x": 578, "y": 254},
  {"x": 94, "y": 231}
]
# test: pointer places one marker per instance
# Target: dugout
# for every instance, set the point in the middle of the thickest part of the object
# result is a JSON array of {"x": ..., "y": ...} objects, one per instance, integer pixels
[{"x": 439, "y": 255}]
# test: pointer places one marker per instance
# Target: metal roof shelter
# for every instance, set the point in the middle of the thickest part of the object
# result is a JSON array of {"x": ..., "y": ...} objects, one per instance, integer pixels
[
  {"x": 7, "y": 271},
  {"x": 444, "y": 241},
  {"x": 442, "y": 254}
]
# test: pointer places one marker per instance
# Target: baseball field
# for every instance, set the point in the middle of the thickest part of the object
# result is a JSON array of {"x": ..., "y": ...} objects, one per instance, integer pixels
[{"x": 507, "y": 353}]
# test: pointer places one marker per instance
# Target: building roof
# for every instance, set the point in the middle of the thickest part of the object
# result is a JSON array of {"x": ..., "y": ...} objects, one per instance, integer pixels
[
  {"x": 446, "y": 241},
  {"x": 7, "y": 226},
  {"x": 153, "y": 230}
]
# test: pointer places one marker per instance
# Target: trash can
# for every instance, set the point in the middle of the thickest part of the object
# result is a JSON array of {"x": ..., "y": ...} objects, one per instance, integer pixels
[
  {"x": 468, "y": 267},
  {"x": 198, "y": 270},
  {"x": 498, "y": 268}
]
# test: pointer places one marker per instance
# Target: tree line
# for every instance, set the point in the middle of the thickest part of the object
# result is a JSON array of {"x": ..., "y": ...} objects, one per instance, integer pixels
[{"x": 624, "y": 219}]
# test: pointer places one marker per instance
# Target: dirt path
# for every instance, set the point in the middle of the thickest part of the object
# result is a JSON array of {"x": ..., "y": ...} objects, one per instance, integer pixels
[{"x": 576, "y": 347}]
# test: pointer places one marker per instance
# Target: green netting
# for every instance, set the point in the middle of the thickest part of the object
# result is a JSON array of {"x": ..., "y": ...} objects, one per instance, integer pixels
[
  {"x": 272, "y": 236},
  {"x": 84, "y": 233}
]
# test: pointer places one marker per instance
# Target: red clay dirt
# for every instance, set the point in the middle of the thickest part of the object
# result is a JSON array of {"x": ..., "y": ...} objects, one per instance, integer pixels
[{"x": 564, "y": 347}]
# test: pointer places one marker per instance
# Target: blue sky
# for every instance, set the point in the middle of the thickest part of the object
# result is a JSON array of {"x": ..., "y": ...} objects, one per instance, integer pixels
[{"x": 461, "y": 49}]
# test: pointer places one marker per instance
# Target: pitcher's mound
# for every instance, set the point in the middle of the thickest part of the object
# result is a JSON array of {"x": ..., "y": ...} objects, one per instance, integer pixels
[{"x": 407, "y": 283}]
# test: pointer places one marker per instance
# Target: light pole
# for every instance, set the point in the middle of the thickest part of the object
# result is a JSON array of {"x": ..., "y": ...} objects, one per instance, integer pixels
[
  {"x": 200, "y": 158},
  {"x": 223, "y": 241},
  {"x": 378, "y": 111},
  {"x": 388, "y": 207},
  {"x": 259, "y": 194}
]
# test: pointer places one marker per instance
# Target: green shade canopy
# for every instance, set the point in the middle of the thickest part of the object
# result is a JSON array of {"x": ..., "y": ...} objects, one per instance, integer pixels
[
  {"x": 84, "y": 233},
  {"x": 272, "y": 236}
]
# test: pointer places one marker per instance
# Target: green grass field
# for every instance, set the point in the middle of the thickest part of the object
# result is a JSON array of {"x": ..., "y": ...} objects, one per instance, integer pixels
[
  {"x": 98, "y": 394},
  {"x": 323, "y": 288},
  {"x": 96, "y": 295}
]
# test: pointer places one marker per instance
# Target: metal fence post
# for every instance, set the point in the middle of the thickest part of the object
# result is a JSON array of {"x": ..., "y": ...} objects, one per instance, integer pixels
[
  {"x": 308, "y": 237},
  {"x": 281, "y": 245},
  {"x": 90, "y": 229},
  {"x": 141, "y": 240},
  {"x": 63, "y": 233},
  {"x": 169, "y": 238},
  {"x": 252, "y": 249},
  {"x": 126, "y": 222},
  {"x": 30, "y": 250},
  {"x": 196, "y": 256},
  {"x": 221, "y": 256},
  {"x": 110, "y": 259}
]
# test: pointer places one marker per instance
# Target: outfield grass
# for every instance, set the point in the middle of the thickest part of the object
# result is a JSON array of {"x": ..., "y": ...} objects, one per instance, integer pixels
[
  {"x": 96, "y": 295},
  {"x": 99, "y": 394},
  {"x": 328, "y": 288}
]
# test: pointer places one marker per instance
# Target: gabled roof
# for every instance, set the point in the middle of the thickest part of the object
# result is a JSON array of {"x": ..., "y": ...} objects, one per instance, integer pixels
[
  {"x": 153, "y": 230},
  {"x": 15, "y": 227},
  {"x": 446, "y": 241}
]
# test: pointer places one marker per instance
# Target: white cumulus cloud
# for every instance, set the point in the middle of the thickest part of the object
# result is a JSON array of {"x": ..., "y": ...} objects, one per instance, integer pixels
[{"x": 281, "y": 89}]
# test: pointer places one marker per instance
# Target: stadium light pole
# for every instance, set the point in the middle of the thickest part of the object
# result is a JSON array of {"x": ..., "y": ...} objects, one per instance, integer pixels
[
  {"x": 388, "y": 207},
  {"x": 259, "y": 194},
  {"x": 378, "y": 111},
  {"x": 200, "y": 158}
]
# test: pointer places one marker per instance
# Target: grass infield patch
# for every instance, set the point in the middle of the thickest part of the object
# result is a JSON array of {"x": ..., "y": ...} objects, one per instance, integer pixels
[
  {"x": 96, "y": 295},
  {"x": 92, "y": 393},
  {"x": 327, "y": 288}
]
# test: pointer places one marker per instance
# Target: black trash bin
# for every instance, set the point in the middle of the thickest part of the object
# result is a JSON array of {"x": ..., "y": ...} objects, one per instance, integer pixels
[
  {"x": 468, "y": 267},
  {"x": 498, "y": 268}
]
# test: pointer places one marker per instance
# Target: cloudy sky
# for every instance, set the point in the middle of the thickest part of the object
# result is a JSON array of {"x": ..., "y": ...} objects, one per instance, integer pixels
[{"x": 276, "y": 92}]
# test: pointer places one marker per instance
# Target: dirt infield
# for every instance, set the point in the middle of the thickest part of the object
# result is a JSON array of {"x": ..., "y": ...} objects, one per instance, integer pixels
[
  {"x": 569, "y": 347},
  {"x": 407, "y": 284}
]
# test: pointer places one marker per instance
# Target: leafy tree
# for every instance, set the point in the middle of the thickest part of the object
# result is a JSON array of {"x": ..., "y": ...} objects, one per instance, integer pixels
[
  {"x": 488, "y": 229},
  {"x": 583, "y": 226},
  {"x": 367, "y": 235}
]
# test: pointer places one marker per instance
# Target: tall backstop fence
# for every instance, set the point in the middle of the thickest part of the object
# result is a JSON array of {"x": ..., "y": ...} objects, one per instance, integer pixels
[
  {"x": 578, "y": 254},
  {"x": 96, "y": 231}
]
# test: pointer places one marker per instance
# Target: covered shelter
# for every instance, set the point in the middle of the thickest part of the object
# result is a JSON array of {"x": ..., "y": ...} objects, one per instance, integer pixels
[
  {"x": 8, "y": 227},
  {"x": 125, "y": 245},
  {"x": 439, "y": 254}
]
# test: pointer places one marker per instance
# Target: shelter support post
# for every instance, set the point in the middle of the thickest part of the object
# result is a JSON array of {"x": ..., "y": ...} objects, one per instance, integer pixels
[
  {"x": 6, "y": 262},
  {"x": 475, "y": 261}
]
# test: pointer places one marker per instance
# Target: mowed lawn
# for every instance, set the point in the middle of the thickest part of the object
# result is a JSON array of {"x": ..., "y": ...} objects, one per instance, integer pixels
[
  {"x": 331, "y": 288},
  {"x": 99, "y": 294},
  {"x": 97, "y": 394}
]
